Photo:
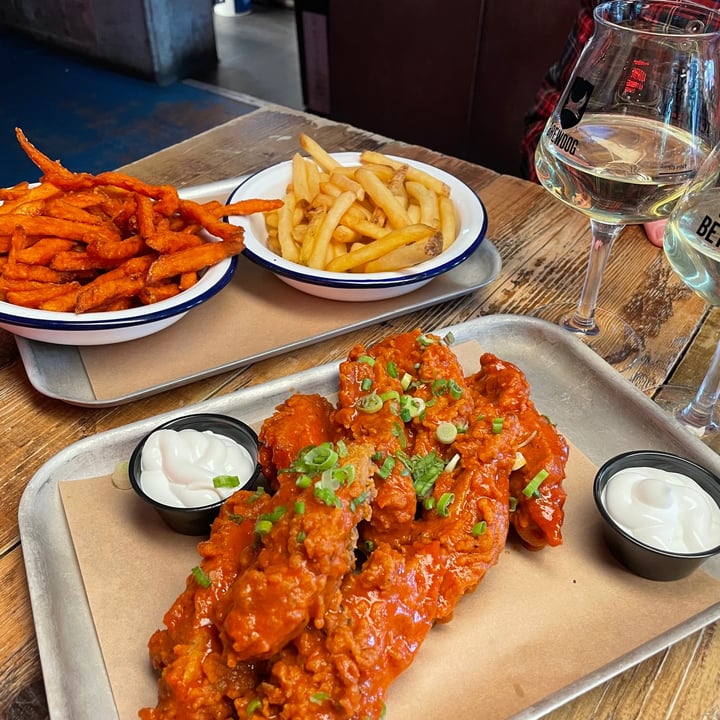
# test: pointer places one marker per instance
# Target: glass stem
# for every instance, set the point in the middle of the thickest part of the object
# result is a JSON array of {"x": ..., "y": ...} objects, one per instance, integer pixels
[
  {"x": 699, "y": 411},
  {"x": 603, "y": 236}
]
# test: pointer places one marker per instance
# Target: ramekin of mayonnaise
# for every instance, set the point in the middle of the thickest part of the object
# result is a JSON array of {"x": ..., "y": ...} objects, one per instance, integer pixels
[
  {"x": 187, "y": 467},
  {"x": 660, "y": 511}
]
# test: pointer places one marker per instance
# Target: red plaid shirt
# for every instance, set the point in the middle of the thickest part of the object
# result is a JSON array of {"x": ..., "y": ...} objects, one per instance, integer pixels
[{"x": 557, "y": 78}]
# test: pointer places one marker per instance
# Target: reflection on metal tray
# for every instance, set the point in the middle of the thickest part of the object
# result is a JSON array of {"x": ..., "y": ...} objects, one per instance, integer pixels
[
  {"x": 601, "y": 413},
  {"x": 58, "y": 370}
]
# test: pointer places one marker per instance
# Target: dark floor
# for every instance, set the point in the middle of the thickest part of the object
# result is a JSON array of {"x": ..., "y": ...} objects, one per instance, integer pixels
[{"x": 94, "y": 119}]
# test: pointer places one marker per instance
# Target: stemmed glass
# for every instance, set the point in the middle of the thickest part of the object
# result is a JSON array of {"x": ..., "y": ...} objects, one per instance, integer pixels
[
  {"x": 692, "y": 246},
  {"x": 637, "y": 118}
]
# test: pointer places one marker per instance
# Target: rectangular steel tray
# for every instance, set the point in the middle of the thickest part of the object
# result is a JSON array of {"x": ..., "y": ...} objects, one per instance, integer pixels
[
  {"x": 600, "y": 412},
  {"x": 58, "y": 370}
]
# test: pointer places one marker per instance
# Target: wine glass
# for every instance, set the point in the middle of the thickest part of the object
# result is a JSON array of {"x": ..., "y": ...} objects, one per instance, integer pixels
[
  {"x": 692, "y": 246},
  {"x": 636, "y": 120}
]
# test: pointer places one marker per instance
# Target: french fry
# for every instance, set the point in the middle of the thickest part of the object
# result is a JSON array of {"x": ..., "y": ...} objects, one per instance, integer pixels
[
  {"x": 407, "y": 256},
  {"x": 377, "y": 248},
  {"x": 384, "y": 199},
  {"x": 390, "y": 196},
  {"x": 331, "y": 220},
  {"x": 288, "y": 248},
  {"x": 318, "y": 153}
]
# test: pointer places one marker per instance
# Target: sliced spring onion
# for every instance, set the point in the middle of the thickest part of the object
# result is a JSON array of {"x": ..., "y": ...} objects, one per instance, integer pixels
[
  {"x": 390, "y": 395},
  {"x": 479, "y": 528},
  {"x": 226, "y": 481},
  {"x": 452, "y": 462},
  {"x": 448, "y": 338},
  {"x": 519, "y": 460},
  {"x": 513, "y": 504},
  {"x": 455, "y": 390},
  {"x": 319, "y": 697},
  {"x": 391, "y": 368},
  {"x": 371, "y": 403},
  {"x": 387, "y": 467},
  {"x": 304, "y": 481},
  {"x": 366, "y": 384},
  {"x": 424, "y": 340},
  {"x": 497, "y": 425},
  {"x": 531, "y": 488},
  {"x": 444, "y": 503},
  {"x": 429, "y": 503},
  {"x": 359, "y": 500},
  {"x": 319, "y": 458},
  {"x": 327, "y": 496},
  {"x": 256, "y": 495},
  {"x": 341, "y": 448},
  {"x": 253, "y": 706},
  {"x": 405, "y": 381},
  {"x": 300, "y": 537},
  {"x": 263, "y": 527},
  {"x": 446, "y": 433},
  {"x": 424, "y": 470},
  {"x": 366, "y": 360},
  {"x": 439, "y": 386},
  {"x": 299, "y": 507},
  {"x": 201, "y": 577}
]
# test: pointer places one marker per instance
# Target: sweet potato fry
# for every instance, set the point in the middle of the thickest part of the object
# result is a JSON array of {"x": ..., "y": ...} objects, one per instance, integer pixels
[
  {"x": 95, "y": 295},
  {"x": 37, "y": 296},
  {"x": 43, "y": 251},
  {"x": 194, "y": 258}
]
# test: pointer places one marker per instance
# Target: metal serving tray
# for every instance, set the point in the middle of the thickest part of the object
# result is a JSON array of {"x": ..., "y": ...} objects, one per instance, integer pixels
[{"x": 599, "y": 411}]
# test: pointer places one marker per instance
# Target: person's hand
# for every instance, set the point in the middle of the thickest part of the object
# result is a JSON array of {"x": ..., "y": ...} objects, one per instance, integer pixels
[{"x": 654, "y": 232}]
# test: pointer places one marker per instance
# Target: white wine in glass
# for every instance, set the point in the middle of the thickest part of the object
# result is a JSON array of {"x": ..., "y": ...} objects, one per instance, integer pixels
[
  {"x": 637, "y": 118},
  {"x": 692, "y": 247}
]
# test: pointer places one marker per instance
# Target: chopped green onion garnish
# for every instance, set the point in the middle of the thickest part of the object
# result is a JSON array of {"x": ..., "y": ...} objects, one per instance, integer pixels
[
  {"x": 359, "y": 500},
  {"x": 304, "y": 481},
  {"x": 371, "y": 403},
  {"x": 405, "y": 381},
  {"x": 299, "y": 507},
  {"x": 446, "y": 433},
  {"x": 256, "y": 495},
  {"x": 531, "y": 488},
  {"x": 392, "y": 370},
  {"x": 327, "y": 496},
  {"x": 425, "y": 470},
  {"x": 366, "y": 384},
  {"x": 444, "y": 503},
  {"x": 513, "y": 503},
  {"x": 424, "y": 340},
  {"x": 235, "y": 517},
  {"x": 387, "y": 467},
  {"x": 262, "y": 527},
  {"x": 452, "y": 463},
  {"x": 429, "y": 503},
  {"x": 319, "y": 458},
  {"x": 439, "y": 386},
  {"x": 479, "y": 528},
  {"x": 319, "y": 697},
  {"x": 390, "y": 395},
  {"x": 300, "y": 537},
  {"x": 341, "y": 448},
  {"x": 226, "y": 481},
  {"x": 253, "y": 706},
  {"x": 449, "y": 338},
  {"x": 497, "y": 425},
  {"x": 455, "y": 390},
  {"x": 367, "y": 360},
  {"x": 201, "y": 577}
]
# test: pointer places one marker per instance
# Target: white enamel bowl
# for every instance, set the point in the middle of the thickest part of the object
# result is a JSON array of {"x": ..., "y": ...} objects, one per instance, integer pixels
[
  {"x": 103, "y": 328},
  {"x": 272, "y": 183}
]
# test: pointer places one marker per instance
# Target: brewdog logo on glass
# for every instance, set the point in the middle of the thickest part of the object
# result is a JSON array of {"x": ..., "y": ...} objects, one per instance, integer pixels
[{"x": 575, "y": 103}]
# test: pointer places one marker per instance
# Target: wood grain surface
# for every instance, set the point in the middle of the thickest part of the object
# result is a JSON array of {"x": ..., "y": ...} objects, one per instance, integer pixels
[{"x": 544, "y": 248}]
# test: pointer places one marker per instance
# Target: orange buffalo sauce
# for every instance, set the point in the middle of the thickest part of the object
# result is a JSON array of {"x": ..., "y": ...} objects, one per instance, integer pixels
[{"x": 382, "y": 511}]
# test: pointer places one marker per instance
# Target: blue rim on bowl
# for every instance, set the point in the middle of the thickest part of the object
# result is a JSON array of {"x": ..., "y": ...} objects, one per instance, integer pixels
[
  {"x": 271, "y": 182},
  {"x": 213, "y": 280}
]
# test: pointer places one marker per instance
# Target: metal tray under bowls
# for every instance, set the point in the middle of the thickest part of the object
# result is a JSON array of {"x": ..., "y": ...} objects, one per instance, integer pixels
[{"x": 599, "y": 411}]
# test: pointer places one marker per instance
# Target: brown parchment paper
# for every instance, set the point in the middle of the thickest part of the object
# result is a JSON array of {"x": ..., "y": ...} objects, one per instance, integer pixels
[
  {"x": 256, "y": 313},
  {"x": 537, "y": 622}
]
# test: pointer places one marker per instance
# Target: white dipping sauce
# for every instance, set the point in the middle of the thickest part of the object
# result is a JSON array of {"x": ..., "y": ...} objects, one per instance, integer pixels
[
  {"x": 178, "y": 466},
  {"x": 665, "y": 510}
]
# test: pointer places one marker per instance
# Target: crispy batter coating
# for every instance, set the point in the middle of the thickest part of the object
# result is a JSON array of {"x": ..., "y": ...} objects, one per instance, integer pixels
[{"x": 384, "y": 510}]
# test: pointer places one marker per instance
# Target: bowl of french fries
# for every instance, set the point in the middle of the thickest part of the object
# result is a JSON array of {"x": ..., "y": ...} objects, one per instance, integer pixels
[
  {"x": 359, "y": 226},
  {"x": 97, "y": 259}
]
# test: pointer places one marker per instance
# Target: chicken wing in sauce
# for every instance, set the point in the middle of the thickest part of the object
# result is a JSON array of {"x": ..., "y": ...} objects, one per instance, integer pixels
[{"x": 383, "y": 511}]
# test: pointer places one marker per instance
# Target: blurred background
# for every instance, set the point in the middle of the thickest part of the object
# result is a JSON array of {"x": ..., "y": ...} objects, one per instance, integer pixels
[{"x": 100, "y": 83}]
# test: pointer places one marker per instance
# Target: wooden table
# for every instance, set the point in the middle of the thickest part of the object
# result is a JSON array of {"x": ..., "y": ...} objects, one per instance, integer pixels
[{"x": 544, "y": 250}]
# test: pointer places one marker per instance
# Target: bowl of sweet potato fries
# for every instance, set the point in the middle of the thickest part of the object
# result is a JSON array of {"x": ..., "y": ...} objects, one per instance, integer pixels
[
  {"x": 95, "y": 259},
  {"x": 359, "y": 226}
]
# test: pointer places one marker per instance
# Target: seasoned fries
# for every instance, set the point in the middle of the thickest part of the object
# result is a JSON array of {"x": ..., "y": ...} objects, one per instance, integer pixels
[
  {"x": 78, "y": 242},
  {"x": 380, "y": 216}
]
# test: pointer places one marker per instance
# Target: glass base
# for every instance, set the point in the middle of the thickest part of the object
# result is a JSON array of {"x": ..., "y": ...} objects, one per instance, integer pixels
[
  {"x": 611, "y": 338},
  {"x": 673, "y": 399}
]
